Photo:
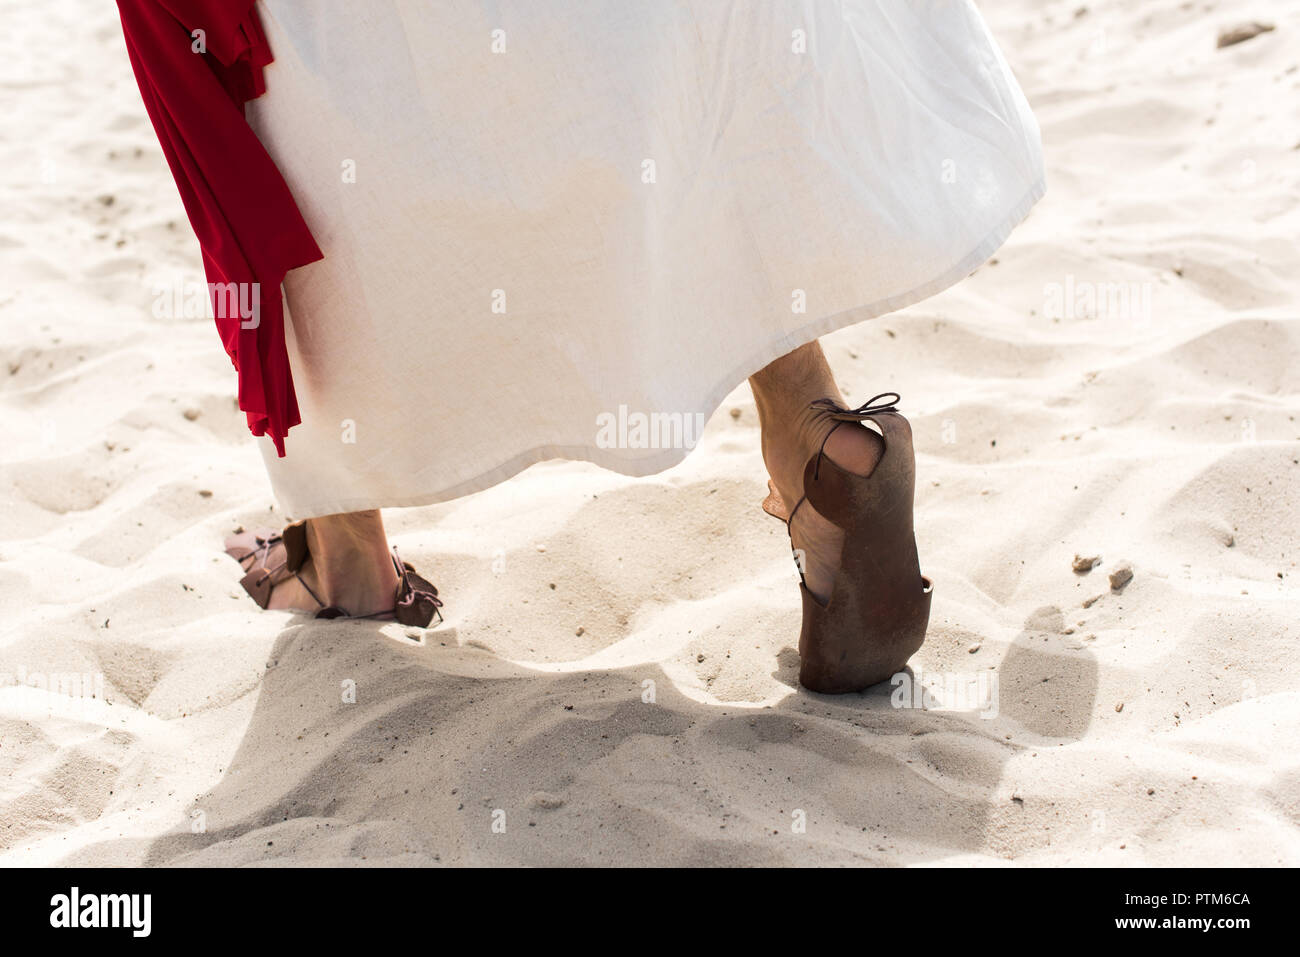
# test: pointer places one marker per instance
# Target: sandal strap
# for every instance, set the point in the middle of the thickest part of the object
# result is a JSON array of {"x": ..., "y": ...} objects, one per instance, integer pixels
[
  {"x": 416, "y": 602},
  {"x": 316, "y": 598},
  {"x": 834, "y": 410},
  {"x": 260, "y": 551}
]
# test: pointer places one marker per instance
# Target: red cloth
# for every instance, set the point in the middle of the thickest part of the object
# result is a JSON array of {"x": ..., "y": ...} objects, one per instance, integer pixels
[{"x": 247, "y": 223}]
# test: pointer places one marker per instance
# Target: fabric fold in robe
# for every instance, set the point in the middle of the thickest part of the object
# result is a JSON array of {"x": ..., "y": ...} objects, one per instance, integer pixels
[
  {"x": 194, "y": 85},
  {"x": 574, "y": 226}
]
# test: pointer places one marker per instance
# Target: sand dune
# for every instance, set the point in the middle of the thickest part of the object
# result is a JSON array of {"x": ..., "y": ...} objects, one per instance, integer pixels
[{"x": 616, "y": 678}]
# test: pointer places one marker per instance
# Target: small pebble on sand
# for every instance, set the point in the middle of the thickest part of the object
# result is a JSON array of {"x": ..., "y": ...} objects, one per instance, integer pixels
[
  {"x": 1120, "y": 577},
  {"x": 1082, "y": 565},
  {"x": 580, "y": 631}
]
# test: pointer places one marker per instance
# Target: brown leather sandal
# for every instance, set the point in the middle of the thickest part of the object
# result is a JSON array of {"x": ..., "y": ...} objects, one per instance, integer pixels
[
  {"x": 263, "y": 556},
  {"x": 270, "y": 557},
  {"x": 879, "y": 605}
]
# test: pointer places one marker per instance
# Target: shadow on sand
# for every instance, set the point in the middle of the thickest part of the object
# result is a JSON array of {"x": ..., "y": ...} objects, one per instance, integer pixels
[{"x": 452, "y": 755}]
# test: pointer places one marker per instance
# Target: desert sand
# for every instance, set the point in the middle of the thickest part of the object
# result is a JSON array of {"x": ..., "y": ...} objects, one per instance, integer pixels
[{"x": 615, "y": 682}]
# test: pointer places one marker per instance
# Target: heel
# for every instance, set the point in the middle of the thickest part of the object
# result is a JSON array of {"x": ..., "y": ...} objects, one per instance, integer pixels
[{"x": 879, "y": 606}]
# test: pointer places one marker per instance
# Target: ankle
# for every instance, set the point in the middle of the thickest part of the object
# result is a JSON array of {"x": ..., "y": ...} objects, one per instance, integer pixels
[
  {"x": 349, "y": 538},
  {"x": 350, "y": 562},
  {"x": 358, "y": 589},
  {"x": 788, "y": 447}
]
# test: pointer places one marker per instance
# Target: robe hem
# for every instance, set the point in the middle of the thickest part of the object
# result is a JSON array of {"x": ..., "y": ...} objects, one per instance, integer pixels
[{"x": 616, "y": 460}]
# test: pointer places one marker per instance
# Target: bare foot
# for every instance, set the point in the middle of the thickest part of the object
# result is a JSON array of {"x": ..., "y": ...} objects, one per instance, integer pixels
[
  {"x": 292, "y": 595},
  {"x": 349, "y": 567}
]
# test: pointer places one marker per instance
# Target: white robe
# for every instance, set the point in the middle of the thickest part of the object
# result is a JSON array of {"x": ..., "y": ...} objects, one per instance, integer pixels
[{"x": 568, "y": 228}]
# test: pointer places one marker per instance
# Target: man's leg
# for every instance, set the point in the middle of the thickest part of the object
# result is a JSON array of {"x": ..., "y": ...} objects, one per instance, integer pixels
[
  {"x": 792, "y": 433},
  {"x": 350, "y": 566}
]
